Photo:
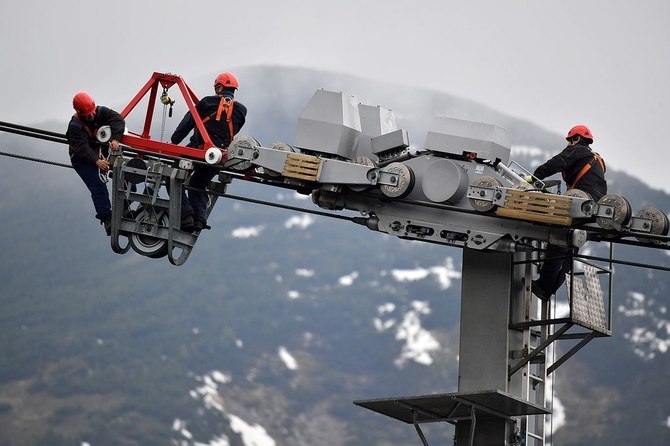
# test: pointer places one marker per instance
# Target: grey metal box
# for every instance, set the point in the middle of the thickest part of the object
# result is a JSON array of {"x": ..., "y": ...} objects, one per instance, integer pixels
[
  {"x": 455, "y": 136},
  {"x": 330, "y": 123},
  {"x": 396, "y": 139}
]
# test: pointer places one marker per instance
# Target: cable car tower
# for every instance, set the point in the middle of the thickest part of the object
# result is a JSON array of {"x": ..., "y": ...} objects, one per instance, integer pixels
[{"x": 460, "y": 190}]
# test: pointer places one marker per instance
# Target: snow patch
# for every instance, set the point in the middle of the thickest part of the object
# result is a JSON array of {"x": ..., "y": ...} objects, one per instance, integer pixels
[
  {"x": 253, "y": 231},
  {"x": 558, "y": 417},
  {"x": 301, "y": 221},
  {"x": 288, "y": 359},
  {"x": 409, "y": 275},
  {"x": 652, "y": 334},
  {"x": 388, "y": 307},
  {"x": 348, "y": 280},
  {"x": 252, "y": 434},
  {"x": 304, "y": 272},
  {"x": 380, "y": 324},
  {"x": 444, "y": 273},
  {"x": 419, "y": 343}
]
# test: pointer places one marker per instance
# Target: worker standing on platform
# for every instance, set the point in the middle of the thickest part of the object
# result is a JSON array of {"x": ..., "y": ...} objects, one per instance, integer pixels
[
  {"x": 581, "y": 169},
  {"x": 88, "y": 156},
  {"x": 223, "y": 117}
]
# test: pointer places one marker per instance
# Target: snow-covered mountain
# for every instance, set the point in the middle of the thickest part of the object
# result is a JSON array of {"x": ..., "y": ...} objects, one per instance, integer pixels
[{"x": 280, "y": 319}]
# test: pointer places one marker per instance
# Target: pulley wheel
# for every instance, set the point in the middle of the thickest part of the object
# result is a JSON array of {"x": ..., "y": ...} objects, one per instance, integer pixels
[
  {"x": 523, "y": 185},
  {"x": 213, "y": 155},
  {"x": 278, "y": 146},
  {"x": 104, "y": 134},
  {"x": 133, "y": 177},
  {"x": 148, "y": 245},
  {"x": 240, "y": 141},
  {"x": 487, "y": 182},
  {"x": 365, "y": 161},
  {"x": 659, "y": 223},
  {"x": 622, "y": 211},
  {"x": 404, "y": 183},
  {"x": 578, "y": 193},
  {"x": 587, "y": 206}
]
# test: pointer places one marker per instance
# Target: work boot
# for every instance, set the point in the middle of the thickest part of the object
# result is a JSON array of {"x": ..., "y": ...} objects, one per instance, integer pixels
[
  {"x": 200, "y": 225},
  {"x": 128, "y": 213},
  {"x": 539, "y": 292},
  {"x": 536, "y": 290},
  {"x": 107, "y": 224},
  {"x": 187, "y": 223}
]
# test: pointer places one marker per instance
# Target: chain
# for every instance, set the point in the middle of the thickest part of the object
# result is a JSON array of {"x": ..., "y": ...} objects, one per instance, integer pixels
[
  {"x": 167, "y": 101},
  {"x": 165, "y": 108}
]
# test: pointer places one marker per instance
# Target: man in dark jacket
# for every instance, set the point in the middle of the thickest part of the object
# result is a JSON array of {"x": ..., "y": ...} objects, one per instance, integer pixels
[
  {"x": 223, "y": 118},
  {"x": 581, "y": 169},
  {"x": 85, "y": 150}
]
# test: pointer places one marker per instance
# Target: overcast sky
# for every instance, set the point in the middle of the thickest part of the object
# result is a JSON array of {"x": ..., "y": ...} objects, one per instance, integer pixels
[{"x": 604, "y": 63}]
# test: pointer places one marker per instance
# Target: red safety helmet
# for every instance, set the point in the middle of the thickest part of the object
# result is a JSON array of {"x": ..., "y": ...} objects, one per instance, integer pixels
[
  {"x": 580, "y": 130},
  {"x": 227, "y": 80},
  {"x": 83, "y": 103}
]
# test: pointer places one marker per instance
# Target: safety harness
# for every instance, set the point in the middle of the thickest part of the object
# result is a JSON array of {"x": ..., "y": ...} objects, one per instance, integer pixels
[
  {"x": 101, "y": 155},
  {"x": 587, "y": 167},
  {"x": 88, "y": 131},
  {"x": 225, "y": 105}
]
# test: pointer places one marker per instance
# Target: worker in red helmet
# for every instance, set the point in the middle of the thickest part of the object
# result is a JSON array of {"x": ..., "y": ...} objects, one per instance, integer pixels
[
  {"x": 582, "y": 169},
  {"x": 223, "y": 117},
  {"x": 87, "y": 155}
]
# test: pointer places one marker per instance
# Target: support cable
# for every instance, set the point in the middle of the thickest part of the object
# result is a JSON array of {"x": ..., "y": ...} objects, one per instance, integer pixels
[
  {"x": 276, "y": 205},
  {"x": 37, "y": 160},
  {"x": 61, "y": 138},
  {"x": 231, "y": 196},
  {"x": 33, "y": 132},
  {"x": 624, "y": 262}
]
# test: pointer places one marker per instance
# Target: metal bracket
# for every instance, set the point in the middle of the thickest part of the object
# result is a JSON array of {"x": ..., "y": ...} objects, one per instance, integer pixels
[{"x": 385, "y": 178}]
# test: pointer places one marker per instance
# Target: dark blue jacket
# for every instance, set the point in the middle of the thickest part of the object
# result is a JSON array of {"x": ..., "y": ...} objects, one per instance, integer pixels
[
  {"x": 218, "y": 130},
  {"x": 570, "y": 163},
  {"x": 81, "y": 133}
]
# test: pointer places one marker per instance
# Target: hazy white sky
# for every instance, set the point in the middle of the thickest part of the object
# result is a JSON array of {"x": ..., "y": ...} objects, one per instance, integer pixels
[{"x": 605, "y": 63}]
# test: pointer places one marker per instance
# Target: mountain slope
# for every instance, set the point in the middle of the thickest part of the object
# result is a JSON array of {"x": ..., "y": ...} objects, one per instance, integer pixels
[{"x": 279, "y": 320}]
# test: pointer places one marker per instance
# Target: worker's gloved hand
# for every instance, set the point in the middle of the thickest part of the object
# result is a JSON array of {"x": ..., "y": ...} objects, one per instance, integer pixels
[
  {"x": 529, "y": 179},
  {"x": 102, "y": 165}
]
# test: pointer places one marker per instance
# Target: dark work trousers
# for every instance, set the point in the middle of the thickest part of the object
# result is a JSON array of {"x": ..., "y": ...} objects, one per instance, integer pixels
[
  {"x": 558, "y": 263},
  {"x": 192, "y": 201},
  {"x": 197, "y": 200},
  {"x": 89, "y": 173}
]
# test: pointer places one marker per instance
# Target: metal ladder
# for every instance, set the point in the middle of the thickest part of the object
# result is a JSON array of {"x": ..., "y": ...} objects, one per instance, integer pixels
[{"x": 534, "y": 372}]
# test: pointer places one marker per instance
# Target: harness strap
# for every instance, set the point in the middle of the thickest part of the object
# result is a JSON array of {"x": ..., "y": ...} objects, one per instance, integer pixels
[
  {"x": 88, "y": 131},
  {"x": 227, "y": 105},
  {"x": 587, "y": 167}
]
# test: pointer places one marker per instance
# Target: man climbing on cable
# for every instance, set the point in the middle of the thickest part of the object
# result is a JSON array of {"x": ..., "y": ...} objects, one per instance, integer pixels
[
  {"x": 581, "y": 169},
  {"x": 223, "y": 117},
  {"x": 88, "y": 156}
]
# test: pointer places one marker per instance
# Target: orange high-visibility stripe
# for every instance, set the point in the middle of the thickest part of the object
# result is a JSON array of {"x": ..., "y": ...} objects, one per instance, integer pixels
[
  {"x": 587, "y": 167},
  {"x": 225, "y": 104},
  {"x": 90, "y": 133}
]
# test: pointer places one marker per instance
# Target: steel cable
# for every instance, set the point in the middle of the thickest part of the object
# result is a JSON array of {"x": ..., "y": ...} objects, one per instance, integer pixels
[
  {"x": 37, "y": 160},
  {"x": 60, "y": 138}
]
